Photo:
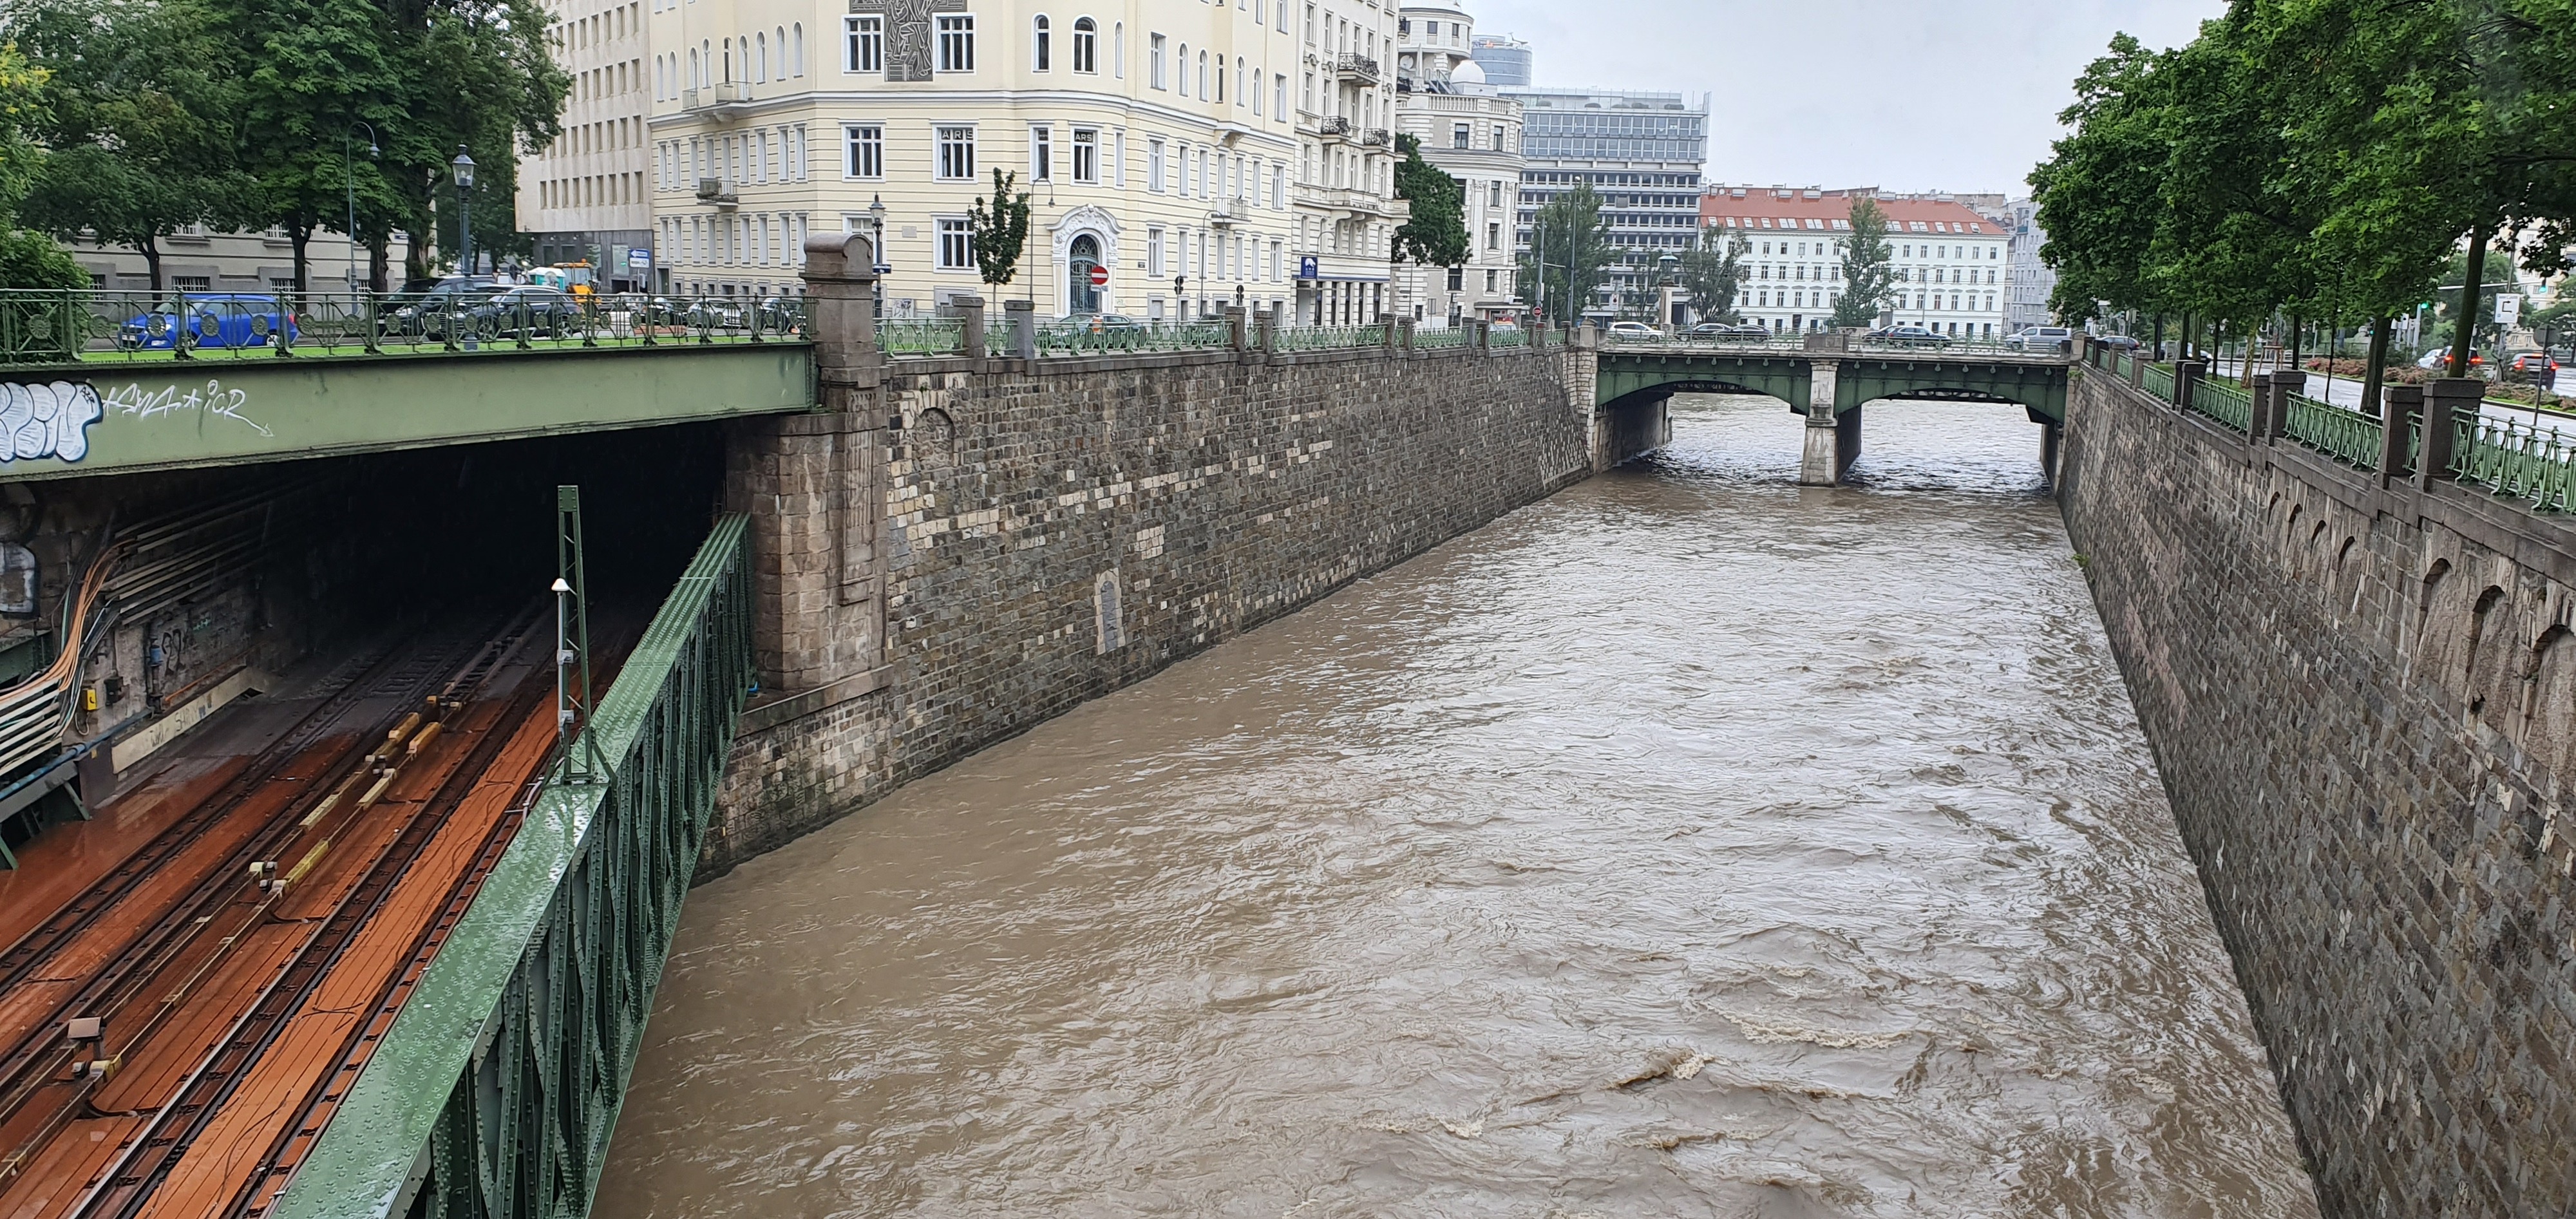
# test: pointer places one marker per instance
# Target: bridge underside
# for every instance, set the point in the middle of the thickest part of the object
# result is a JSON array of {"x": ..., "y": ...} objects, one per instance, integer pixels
[{"x": 2038, "y": 386}]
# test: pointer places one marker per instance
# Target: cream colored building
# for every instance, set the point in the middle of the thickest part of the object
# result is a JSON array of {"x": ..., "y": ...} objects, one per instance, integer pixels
[
  {"x": 1347, "y": 212},
  {"x": 1472, "y": 133},
  {"x": 588, "y": 195},
  {"x": 1156, "y": 138}
]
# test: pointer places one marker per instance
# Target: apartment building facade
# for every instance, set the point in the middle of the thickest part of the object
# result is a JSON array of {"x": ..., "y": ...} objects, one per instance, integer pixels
[
  {"x": 587, "y": 196},
  {"x": 2029, "y": 284},
  {"x": 1471, "y": 132},
  {"x": 1949, "y": 260},
  {"x": 1346, "y": 210},
  {"x": 1160, "y": 143}
]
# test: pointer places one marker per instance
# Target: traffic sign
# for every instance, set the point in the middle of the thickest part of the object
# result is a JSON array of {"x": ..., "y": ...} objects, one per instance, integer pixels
[
  {"x": 1306, "y": 267},
  {"x": 639, "y": 260},
  {"x": 2508, "y": 308},
  {"x": 1099, "y": 276}
]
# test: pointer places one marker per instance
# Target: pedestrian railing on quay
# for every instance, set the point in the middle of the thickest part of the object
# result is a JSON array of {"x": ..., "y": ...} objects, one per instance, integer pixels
[
  {"x": 495, "y": 1090},
  {"x": 1506, "y": 337},
  {"x": 58, "y": 327},
  {"x": 2224, "y": 402},
  {"x": 2349, "y": 436},
  {"x": 1446, "y": 338},
  {"x": 1326, "y": 338},
  {"x": 922, "y": 337},
  {"x": 1082, "y": 338},
  {"x": 2518, "y": 460},
  {"x": 2158, "y": 379}
]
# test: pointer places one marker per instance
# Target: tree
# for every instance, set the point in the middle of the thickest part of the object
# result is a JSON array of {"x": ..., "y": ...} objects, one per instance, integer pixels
[
  {"x": 322, "y": 68},
  {"x": 1436, "y": 235},
  {"x": 1712, "y": 271},
  {"x": 2100, "y": 194},
  {"x": 1869, "y": 275},
  {"x": 141, "y": 123},
  {"x": 475, "y": 73},
  {"x": 1570, "y": 254},
  {"x": 1001, "y": 233}
]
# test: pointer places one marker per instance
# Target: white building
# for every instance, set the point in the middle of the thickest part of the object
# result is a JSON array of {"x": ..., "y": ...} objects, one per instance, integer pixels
[
  {"x": 1346, "y": 208},
  {"x": 1472, "y": 133},
  {"x": 587, "y": 197},
  {"x": 1949, "y": 260},
  {"x": 2028, "y": 282},
  {"x": 1159, "y": 140},
  {"x": 197, "y": 259}
]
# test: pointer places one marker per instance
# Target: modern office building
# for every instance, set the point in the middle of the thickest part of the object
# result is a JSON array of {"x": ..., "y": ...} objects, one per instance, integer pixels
[
  {"x": 1506, "y": 60},
  {"x": 1641, "y": 152},
  {"x": 1161, "y": 143},
  {"x": 2028, "y": 282},
  {"x": 587, "y": 197},
  {"x": 1472, "y": 133},
  {"x": 1949, "y": 260}
]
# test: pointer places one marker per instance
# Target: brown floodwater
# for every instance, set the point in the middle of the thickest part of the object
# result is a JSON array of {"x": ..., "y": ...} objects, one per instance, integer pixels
[{"x": 1686, "y": 844}]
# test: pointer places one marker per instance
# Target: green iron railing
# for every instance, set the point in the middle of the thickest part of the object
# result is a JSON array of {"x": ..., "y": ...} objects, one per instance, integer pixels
[
  {"x": 2159, "y": 380},
  {"x": 2224, "y": 402},
  {"x": 55, "y": 327},
  {"x": 2514, "y": 459},
  {"x": 1444, "y": 339},
  {"x": 2349, "y": 436},
  {"x": 932, "y": 337},
  {"x": 1506, "y": 336},
  {"x": 1101, "y": 338},
  {"x": 1324, "y": 338},
  {"x": 494, "y": 1092}
]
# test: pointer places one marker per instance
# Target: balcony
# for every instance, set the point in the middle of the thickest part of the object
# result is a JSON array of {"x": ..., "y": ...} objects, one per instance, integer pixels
[
  {"x": 718, "y": 192},
  {"x": 1332, "y": 124},
  {"x": 1226, "y": 214},
  {"x": 1377, "y": 138},
  {"x": 1358, "y": 68},
  {"x": 718, "y": 101}
]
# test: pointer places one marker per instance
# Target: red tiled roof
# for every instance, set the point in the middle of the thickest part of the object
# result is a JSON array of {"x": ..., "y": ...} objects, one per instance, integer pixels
[{"x": 1762, "y": 208}]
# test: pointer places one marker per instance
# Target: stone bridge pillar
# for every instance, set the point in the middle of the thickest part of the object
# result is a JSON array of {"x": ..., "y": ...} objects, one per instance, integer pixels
[
  {"x": 1833, "y": 440},
  {"x": 814, "y": 487}
]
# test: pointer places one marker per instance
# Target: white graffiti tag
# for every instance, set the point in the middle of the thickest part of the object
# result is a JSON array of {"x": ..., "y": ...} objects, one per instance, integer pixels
[
  {"x": 211, "y": 399},
  {"x": 49, "y": 419}
]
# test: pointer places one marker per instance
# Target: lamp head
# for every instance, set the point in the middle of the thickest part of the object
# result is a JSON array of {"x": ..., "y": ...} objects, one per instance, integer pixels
[{"x": 462, "y": 168}]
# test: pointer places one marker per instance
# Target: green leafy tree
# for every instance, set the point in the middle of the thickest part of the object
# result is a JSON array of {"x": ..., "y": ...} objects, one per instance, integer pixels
[
  {"x": 1436, "y": 234},
  {"x": 1570, "y": 254},
  {"x": 1712, "y": 271},
  {"x": 1000, "y": 233},
  {"x": 140, "y": 119},
  {"x": 475, "y": 73},
  {"x": 1869, "y": 271},
  {"x": 2100, "y": 195},
  {"x": 321, "y": 68}
]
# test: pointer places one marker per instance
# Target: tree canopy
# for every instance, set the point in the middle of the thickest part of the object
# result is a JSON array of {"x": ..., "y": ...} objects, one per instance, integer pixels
[
  {"x": 1869, "y": 273},
  {"x": 1569, "y": 256},
  {"x": 2313, "y": 157},
  {"x": 1436, "y": 235},
  {"x": 1712, "y": 271}
]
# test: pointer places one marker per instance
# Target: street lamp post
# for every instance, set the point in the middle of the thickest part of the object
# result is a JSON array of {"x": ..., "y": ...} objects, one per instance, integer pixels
[
  {"x": 463, "y": 170},
  {"x": 876, "y": 236},
  {"x": 349, "y": 178}
]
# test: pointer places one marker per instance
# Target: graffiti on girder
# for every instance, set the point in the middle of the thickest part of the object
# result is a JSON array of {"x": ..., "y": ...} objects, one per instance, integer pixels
[
  {"x": 46, "y": 419},
  {"x": 211, "y": 399}
]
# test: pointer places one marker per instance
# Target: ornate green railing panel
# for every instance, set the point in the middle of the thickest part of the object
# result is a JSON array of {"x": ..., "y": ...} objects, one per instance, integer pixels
[
  {"x": 933, "y": 337},
  {"x": 1321, "y": 338},
  {"x": 1506, "y": 336},
  {"x": 493, "y": 1095},
  {"x": 1096, "y": 338},
  {"x": 2515, "y": 459},
  {"x": 2349, "y": 435},
  {"x": 2223, "y": 402},
  {"x": 1446, "y": 338},
  {"x": 2159, "y": 380}
]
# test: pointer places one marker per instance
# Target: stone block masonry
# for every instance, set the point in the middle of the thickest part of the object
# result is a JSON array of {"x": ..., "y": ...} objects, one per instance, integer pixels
[
  {"x": 2363, "y": 701},
  {"x": 967, "y": 547}
]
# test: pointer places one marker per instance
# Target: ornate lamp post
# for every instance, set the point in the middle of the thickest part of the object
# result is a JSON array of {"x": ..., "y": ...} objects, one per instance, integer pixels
[
  {"x": 462, "y": 169},
  {"x": 876, "y": 239},
  {"x": 349, "y": 178}
]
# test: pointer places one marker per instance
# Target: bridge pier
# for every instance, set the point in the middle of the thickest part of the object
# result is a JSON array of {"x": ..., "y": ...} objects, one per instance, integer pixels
[
  {"x": 2052, "y": 438},
  {"x": 1833, "y": 438}
]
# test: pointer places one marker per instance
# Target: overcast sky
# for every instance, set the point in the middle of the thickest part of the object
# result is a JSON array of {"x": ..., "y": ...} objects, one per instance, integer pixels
[{"x": 1961, "y": 95}]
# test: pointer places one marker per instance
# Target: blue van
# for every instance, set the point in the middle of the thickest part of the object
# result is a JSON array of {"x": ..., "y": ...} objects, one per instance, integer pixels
[{"x": 212, "y": 319}]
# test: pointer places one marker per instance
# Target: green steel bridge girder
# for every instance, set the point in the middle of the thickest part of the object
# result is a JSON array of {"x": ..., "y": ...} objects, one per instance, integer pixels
[
  {"x": 79, "y": 420},
  {"x": 2038, "y": 386}
]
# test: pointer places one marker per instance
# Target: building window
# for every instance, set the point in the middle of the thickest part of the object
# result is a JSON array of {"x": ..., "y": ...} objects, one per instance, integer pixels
[
  {"x": 1491, "y": 280},
  {"x": 1498, "y": 137},
  {"x": 866, "y": 49},
  {"x": 1458, "y": 135},
  {"x": 1203, "y": 78},
  {"x": 957, "y": 45},
  {"x": 1041, "y": 153},
  {"x": 957, "y": 153},
  {"x": 1493, "y": 237},
  {"x": 797, "y": 63},
  {"x": 1041, "y": 43},
  {"x": 956, "y": 246},
  {"x": 1154, "y": 166},
  {"x": 1086, "y": 155},
  {"x": 1242, "y": 82},
  {"x": 1279, "y": 96},
  {"x": 1155, "y": 61},
  {"x": 1457, "y": 278},
  {"x": 1086, "y": 45}
]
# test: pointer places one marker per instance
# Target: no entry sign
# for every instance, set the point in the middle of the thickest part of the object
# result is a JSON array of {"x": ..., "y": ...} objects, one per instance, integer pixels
[{"x": 1099, "y": 277}]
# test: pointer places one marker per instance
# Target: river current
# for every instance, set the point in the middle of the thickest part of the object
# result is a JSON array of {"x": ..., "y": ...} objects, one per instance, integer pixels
[{"x": 1687, "y": 844}]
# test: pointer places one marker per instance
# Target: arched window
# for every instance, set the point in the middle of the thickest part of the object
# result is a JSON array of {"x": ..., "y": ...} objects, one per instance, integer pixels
[
  {"x": 1238, "y": 80},
  {"x": 693, "y": 68},
  {"x": 798, "y": 63},
  {"x": 760, "y": 65},
  {"x": 1086, "y": 45},
  {"x": 1183, "y": 66},
  {"x": 728, "y": 61},
  {"x": 1118, "y": 50},
  {"x": 1203, "y": 76},
  {"x": 1041, "y": 48}
]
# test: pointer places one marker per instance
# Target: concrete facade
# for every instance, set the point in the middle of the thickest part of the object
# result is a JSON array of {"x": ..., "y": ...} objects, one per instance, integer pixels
[
  {"x": 956, "y": 550},
  {"x": 2362, "y": 699}
]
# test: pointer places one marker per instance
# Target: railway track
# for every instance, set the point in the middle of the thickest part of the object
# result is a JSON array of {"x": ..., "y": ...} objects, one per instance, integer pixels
[{"x": 335, "y": 774}]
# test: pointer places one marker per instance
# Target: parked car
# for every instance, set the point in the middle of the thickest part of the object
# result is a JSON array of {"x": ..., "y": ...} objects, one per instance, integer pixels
[
  {"x": 431, "y": 310},
  {"x": 1728, "y": 332},
  {"x": 2436, "y": 357},
  {"x": 528, "y": 308},
  {"x": 2045, "y": 338},
  {"x": 2528, "y": 364},
  {"x": 212, "y": 319},
  {"x": 1634, "y": 330},
  {"x": 1912, "y": 336},
  {"x": 1103, "y": 322},
  {"x": 2117, "y": 342}
]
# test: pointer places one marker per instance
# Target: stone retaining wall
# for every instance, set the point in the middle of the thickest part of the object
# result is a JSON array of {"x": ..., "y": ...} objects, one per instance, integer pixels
[
  {"x": 1038, "y": 533},
  {"x": 2363, "y": 703}
]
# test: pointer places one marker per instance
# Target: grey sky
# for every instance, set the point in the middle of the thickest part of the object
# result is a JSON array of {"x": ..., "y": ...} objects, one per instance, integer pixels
[{"x": 1960, "y": 96}]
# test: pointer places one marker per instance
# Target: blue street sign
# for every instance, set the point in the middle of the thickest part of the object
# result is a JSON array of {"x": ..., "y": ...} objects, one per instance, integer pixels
[{"x": 1306, "y": 268}]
